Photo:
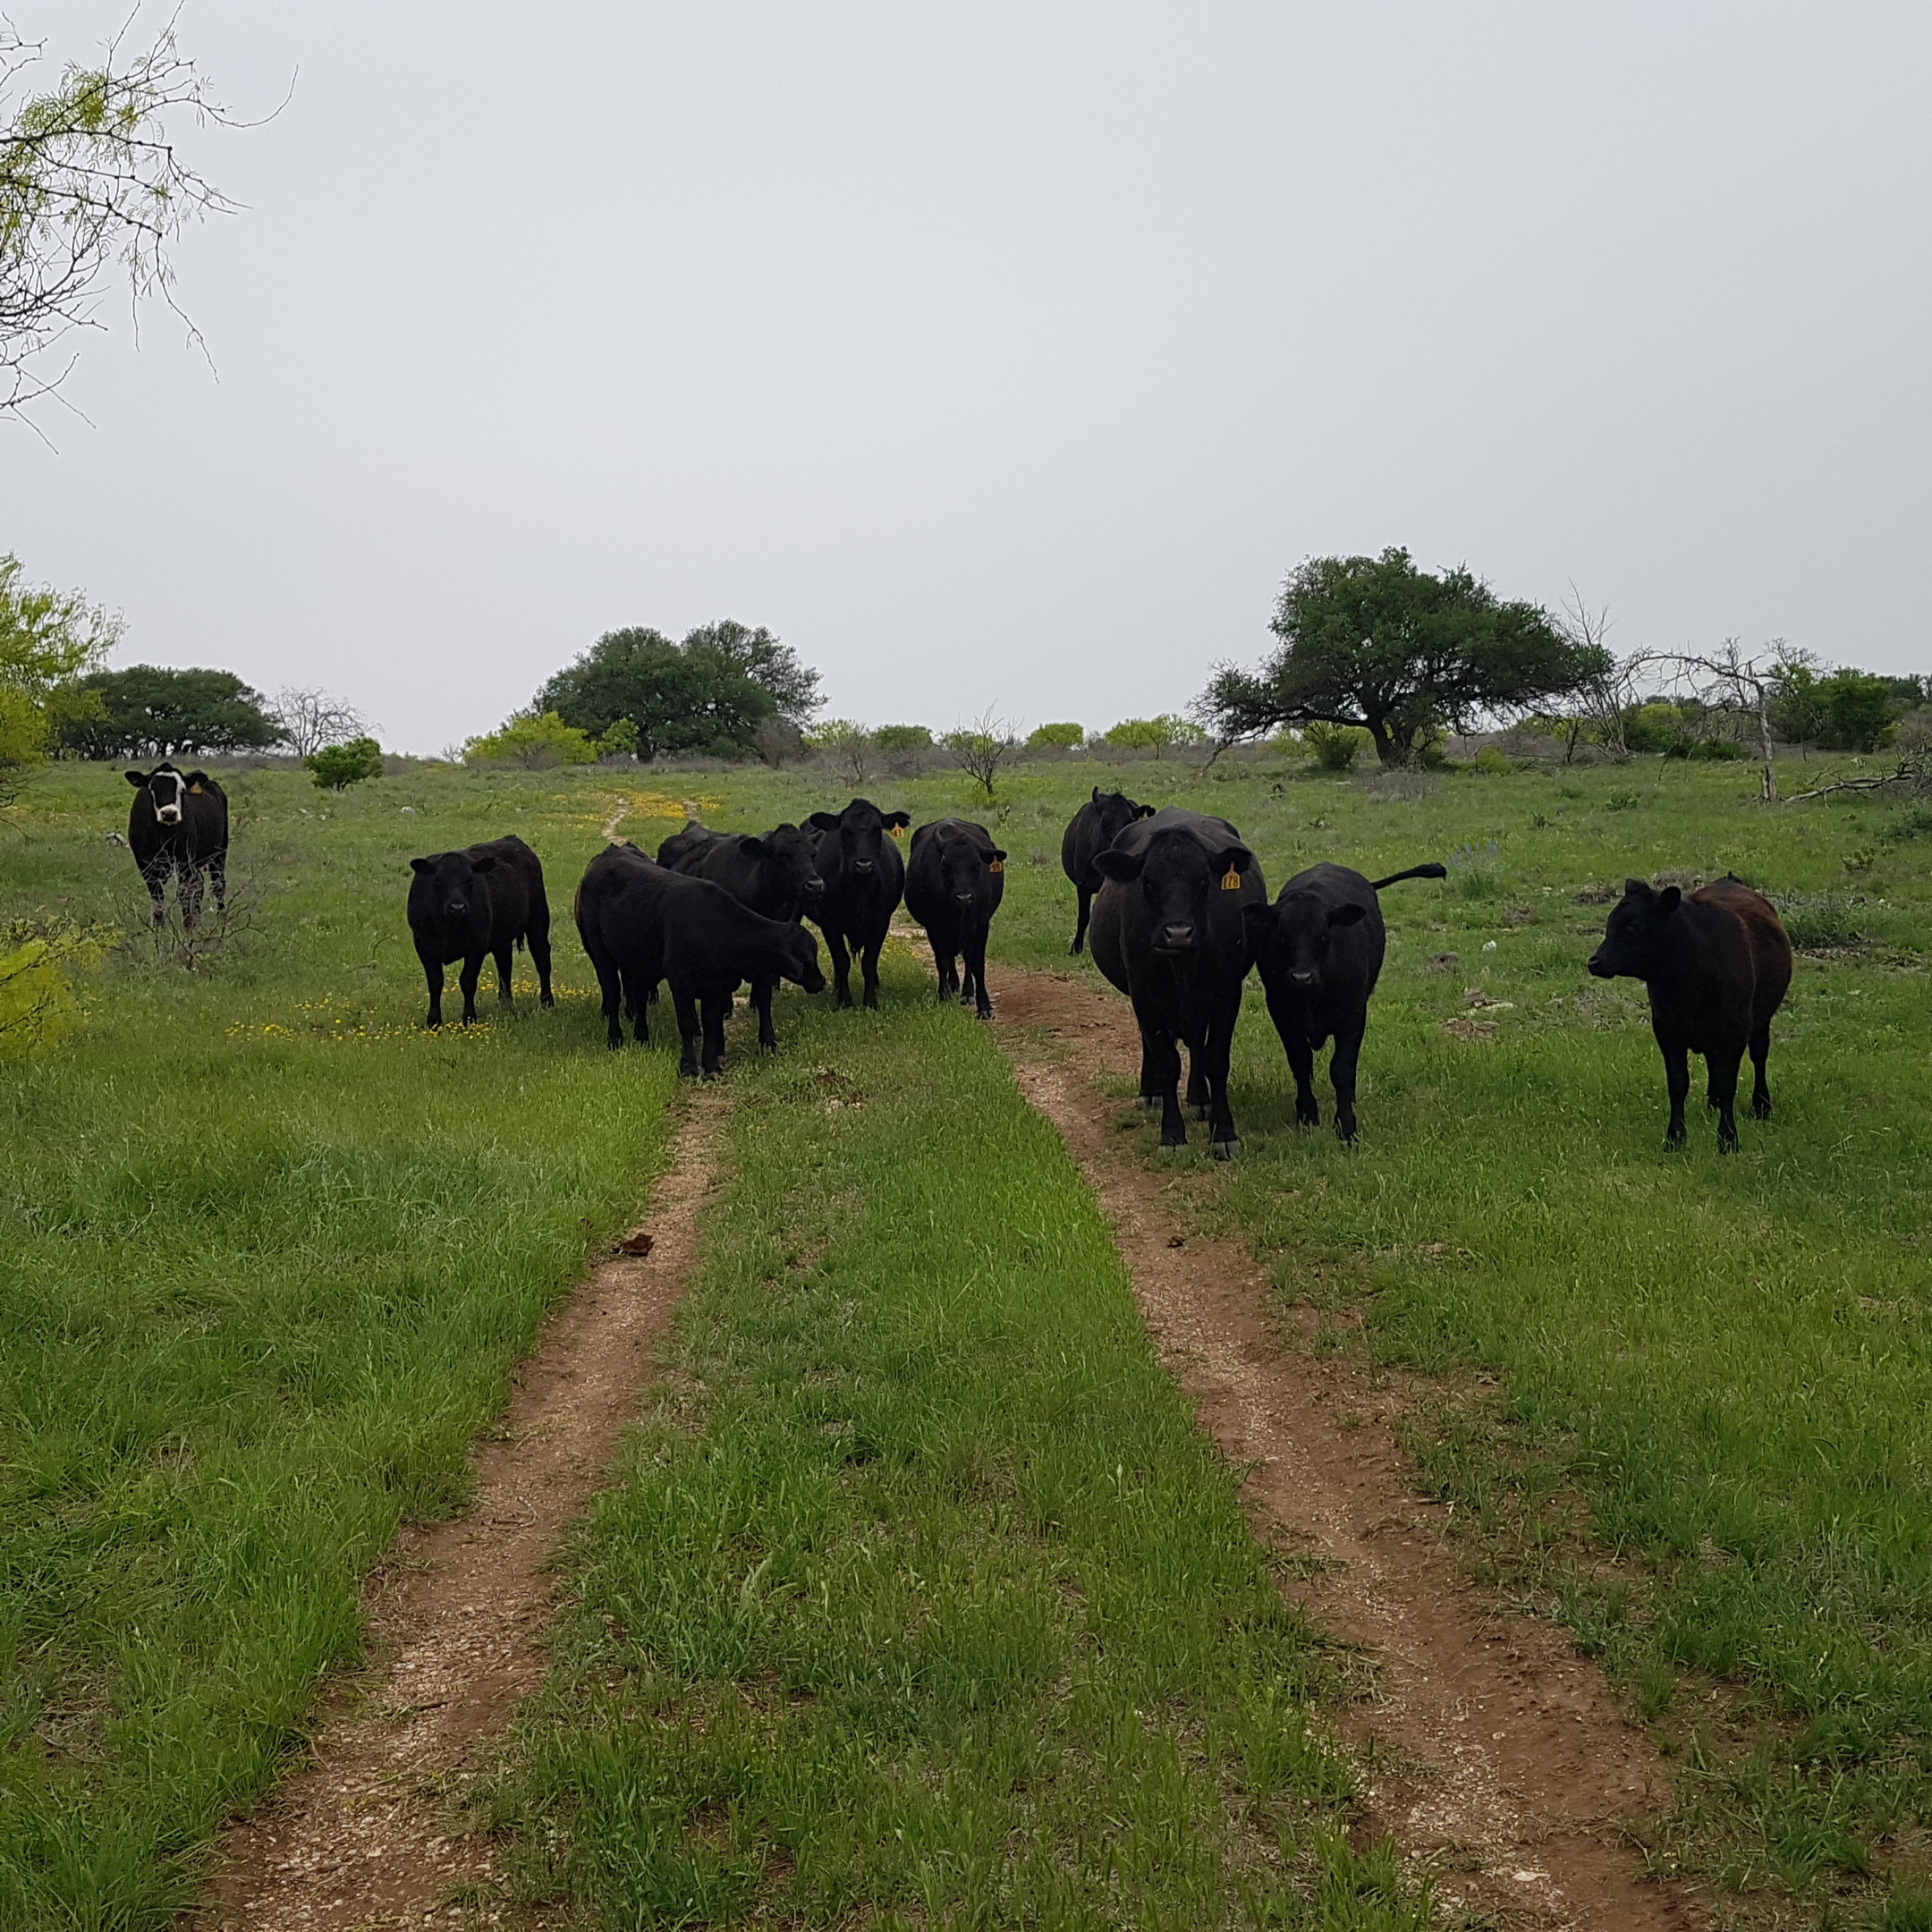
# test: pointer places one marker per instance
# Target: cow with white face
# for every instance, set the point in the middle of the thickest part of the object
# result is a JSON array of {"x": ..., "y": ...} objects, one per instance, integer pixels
[{"x": 178, "y": 824}]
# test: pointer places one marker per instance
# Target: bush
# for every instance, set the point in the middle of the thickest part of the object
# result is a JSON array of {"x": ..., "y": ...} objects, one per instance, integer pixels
[
  {"x": 38, "y": 1003},
  {"x": 336, "y": 767},
  {"x": 1335, "y": 747},
  {"x": 896, "y": 739},
  {"x": 1717, "y": 750},
  {"x": 1492, "y": 759},
  {"x": 536, "y": 743},
  {"x": 620, "y": 739},
  {"x": 1156, "y": 734},
  {"x": 1055, "y": 737}
]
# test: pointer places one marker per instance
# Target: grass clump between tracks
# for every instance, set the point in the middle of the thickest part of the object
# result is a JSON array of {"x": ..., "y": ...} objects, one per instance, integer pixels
[{"x": 919, "y": 1599}]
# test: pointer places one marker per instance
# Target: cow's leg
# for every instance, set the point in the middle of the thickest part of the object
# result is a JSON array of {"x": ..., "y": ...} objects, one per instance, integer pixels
[
  {"x": 639, "y": 1000},
  {"x": 1160, "y": 1076},
  {"x": 538, "y": 938},
  {"x": 1342, "y": 1069},
  {"x": 976, "y": 973},
  {"x": 841, "y": 966},
  {"x": 1677, "y": 1078},
  {"x": 1760, "y": 1052},
  {"x": 218, "y": 878},
  {"x": 1291, "y": 1024},
  {"x": 1079, "y": 927},
  {"x": 1216, "y": 1051},
  {"x": 505, "y": 962},
  {"x": 433, "y": 973},
  {"x": 1721, "y": 1063},
  {"x": 716, "y": 1011},
  {"x": 942, "y": 967},
  {"x": 155, "y": 877},
  {"x": 869, "y": 958},
  {"x": 472, "y": 970},
  {"x": 688, "y": 1032},
  {"x": 188, "y": 884},
  {"x": 762, "y": 989},
  {"x": 610, "y": 983}
]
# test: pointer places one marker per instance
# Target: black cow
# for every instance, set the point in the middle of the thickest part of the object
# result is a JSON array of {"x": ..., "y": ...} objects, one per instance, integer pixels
[
  {"x": 954, "y": 887},
  {"x": 1717, "y": 965},
  {"x": 179, "y": 822},
  {"x": 775, "y": 873},
  {"x": 1168, "y": 931},
  {"x": 1089, "y": 832},
  {"x": 466, "y": 905},
  {"x": 642, "y": 922},
  {"x": 864, "y": 877},
  {"x": 1319, "y": 948}
]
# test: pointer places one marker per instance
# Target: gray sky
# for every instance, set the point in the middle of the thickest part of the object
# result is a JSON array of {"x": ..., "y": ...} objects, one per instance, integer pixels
[{"x": 1003, "y": 353}]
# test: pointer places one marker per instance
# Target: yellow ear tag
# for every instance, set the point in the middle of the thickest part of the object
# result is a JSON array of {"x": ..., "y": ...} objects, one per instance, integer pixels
[
  {"x": 998, "y": 865},
  {"x": 194, "y": 788},
  {"x": 1231, "y": 879},
  {"x": 898, "y": 830}
]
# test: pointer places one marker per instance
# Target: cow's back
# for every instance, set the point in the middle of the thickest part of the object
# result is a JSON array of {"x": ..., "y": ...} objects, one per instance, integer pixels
[{"x": 1766, "y": 940}]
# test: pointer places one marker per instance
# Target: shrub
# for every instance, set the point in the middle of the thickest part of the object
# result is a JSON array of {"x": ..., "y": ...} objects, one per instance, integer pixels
[
  {"x": 619, "y": 739},
  {"x": 1820, "y": 923},
  {"x": 336, "y": 767},
  {"x": 535, "y": 743},
  {"x": 895, "y": 740},
  {"x": 1156, "y": 734},
  {"x": 38, "y": 1003},
  {"x": 1717, "y": 750},
  {"x": 1335, "y": 747},
  {"x": 1055, "y": 737},
  {"x": 1492, "y": 759}
]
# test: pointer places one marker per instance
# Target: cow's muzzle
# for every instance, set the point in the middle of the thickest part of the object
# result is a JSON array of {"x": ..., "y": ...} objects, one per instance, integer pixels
[
  {"x": 1302, "y": 982},
  {"x": 1175, "y": 939},
  {"x": 169, "y": 814},
  {"x": 863, "y": 868},
  {"x": 1598, "y": 970}
]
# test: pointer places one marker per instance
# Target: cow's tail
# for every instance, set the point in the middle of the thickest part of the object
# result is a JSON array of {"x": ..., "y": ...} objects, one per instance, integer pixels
[{"x": 1420, "y": 871}]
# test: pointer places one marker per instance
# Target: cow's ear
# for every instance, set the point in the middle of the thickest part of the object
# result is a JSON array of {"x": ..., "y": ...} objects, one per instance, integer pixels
[
  {"x": 1670, "y": 898},
  {"x": 423, "y": 865},
  {"x": 1233, "y": 859},
  {"x": 486, "y": 863},
  {"x": 199, "y": 778},
  {"x": 999, "y": 857},
  {"x": 1351, "y": 914},
  {"x": 1097, "y": 795},
  {"x": 1634, "y": 888},
  {"x": 823, "y": 821},
  {"x": 1116, "y": 864},
  {"x": 135, "y": 777},
  {"x": 898, "y": 817},
  {"x": 1145, "y": 811},
  {"x": 752, "y": 847},
  {"x": 1258, "y": 919}
]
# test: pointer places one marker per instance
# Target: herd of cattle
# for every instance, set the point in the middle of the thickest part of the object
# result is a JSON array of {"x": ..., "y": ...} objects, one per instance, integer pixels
[{"x": 1173, "y": 902}]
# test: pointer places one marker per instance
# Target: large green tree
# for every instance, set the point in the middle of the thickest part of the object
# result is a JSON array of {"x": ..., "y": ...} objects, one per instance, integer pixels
[
  {"x": 1397, "y": 651},
  {"x": 709, "y": 694},
  {"x": 149, "y": 712}
]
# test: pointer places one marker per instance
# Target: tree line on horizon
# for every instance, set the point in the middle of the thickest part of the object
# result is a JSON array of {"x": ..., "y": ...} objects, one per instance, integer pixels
[{"x": 1369, "y": 651}]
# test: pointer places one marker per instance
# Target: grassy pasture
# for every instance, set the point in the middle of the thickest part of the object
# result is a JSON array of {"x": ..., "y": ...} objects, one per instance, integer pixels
[
  {"x": 920, "y": 1600},
  {"x": 272, "y": 1253}
]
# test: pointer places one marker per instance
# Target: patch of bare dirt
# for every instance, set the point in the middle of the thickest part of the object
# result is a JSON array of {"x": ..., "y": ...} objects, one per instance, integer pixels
[
  {"x": 1496, "y": 1754},
  {"x": 365, "y": 1834}
]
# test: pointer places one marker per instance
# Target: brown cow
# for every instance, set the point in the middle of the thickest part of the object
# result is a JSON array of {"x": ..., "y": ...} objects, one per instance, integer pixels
[{"x": 1717, "y": 965}]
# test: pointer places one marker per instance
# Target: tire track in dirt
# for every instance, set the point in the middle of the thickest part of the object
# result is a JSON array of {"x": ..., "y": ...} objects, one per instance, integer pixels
[
  {"x": 1500, "y": 1760},
  {"x": 363, "y": 1835}
]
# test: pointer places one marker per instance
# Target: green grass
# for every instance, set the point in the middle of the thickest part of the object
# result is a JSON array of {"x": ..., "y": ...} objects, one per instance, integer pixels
[
  {"x": 271, "y": 1254},
  {"x": 261, "y": 1284},
  {"x": 926, "y": 1603}
]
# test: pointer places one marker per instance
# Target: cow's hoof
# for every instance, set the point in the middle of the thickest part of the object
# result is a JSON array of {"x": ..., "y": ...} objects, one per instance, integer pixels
[
  {"x": 1199, "y": 1108},
  {"x": 1150, "y": 1101},
  {"x": 1173, "y": 1147},
  {"x": 1226, "y": 1149},
  {"x": 1761, "y": 1108},
  {"x": 1345, "y": 1135},
  {"x": 549, "y": 999},
  {"x": 768, "y": 1045}
]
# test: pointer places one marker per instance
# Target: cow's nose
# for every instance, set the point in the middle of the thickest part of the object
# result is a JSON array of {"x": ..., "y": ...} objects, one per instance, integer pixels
[
  {"x": 1597, "y": 969},
  {"x": 861, "y": 865},
  {"x": 815, "y": 888},
  {"x": 1177, "y": 936},
  {"x": 458, "y": 907},
  {"x": 1301, "y": 980},
  {"x": 964, "y": 898}
]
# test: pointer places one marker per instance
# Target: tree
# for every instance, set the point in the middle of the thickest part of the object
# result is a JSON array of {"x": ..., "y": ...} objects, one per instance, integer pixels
[
  {"x": 1376, "y": 643},
  {"x": 1156, "y": 734},
  {"x": 981, "y": 749},
  {"x": 147, "y": 711},
  {"x": 536, "y": 743},
  {"x": 89, "y": 178},
  {"x": 312, "y": 720},
  {"x": 710, "y": 694},
  {"x": 47, "y": 639},
  {"x": 1729, "y": 684},
  {"x": 1055, "y": 737},
  {"x": 338, "y": 766},
  {"x": 847, "y": 746}
]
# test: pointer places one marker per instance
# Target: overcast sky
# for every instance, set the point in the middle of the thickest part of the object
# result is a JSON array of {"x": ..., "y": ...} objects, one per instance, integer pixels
[{"x": 1003, "y": 354}]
